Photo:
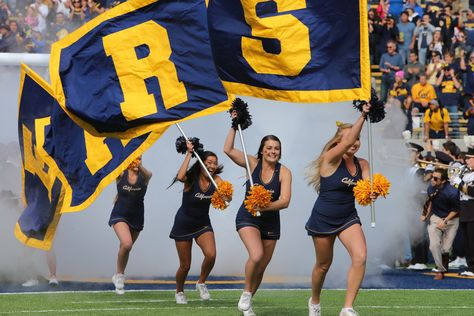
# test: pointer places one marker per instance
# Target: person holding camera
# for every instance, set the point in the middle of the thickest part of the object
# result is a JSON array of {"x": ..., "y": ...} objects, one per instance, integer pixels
[{"x": 423, "y": 35}]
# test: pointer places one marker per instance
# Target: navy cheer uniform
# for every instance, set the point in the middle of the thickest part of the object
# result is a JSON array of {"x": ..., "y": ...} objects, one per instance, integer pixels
[
  {"x": 129, "y": 207},
  {"x": 192, "y": 218},
  {"x": 269, "y": 222},
  {"x": 334, "y": 209}
]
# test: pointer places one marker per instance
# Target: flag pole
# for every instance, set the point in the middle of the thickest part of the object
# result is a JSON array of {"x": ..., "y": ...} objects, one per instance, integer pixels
[
  {"x": 247, "y": 165},
  {"x": 198, "y": 158},
  {"x": 371, "y": 167}
]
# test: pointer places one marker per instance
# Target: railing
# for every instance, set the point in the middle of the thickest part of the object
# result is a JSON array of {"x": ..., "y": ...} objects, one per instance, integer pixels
[{"x": 457, "y": 126}]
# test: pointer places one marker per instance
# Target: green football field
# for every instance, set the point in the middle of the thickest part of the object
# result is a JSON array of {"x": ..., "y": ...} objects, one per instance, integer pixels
[{"x": 224, "y": 302}]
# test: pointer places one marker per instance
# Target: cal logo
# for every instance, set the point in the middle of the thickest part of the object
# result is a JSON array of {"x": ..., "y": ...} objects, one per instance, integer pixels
[
  {"x": 140, "y": 66},
  {"x": 292, "y": 50}
]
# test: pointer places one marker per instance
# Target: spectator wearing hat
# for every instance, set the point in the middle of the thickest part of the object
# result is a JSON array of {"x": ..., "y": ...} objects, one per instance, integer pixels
[
  {"x": 399, "y": 89},
  {"x": 422, "y": 36},
  {"x": 422, "y": 92},
  {"x": 443, "y": 207},
  {"x": 390, "y": 62},
  {"x": 449, "y": 91},
  {"x": 436, "y": 122},
  {"x": 413, "y": 69},
  {"x": 465, "y": 184},
  {"x": 406, "y": 29}
]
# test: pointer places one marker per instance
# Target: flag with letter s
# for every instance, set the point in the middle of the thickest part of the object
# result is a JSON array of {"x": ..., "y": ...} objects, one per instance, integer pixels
[{"x": 292, "y": 50}]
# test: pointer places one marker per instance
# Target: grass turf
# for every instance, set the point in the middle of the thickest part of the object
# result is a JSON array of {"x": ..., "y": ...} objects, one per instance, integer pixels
[{"x": 266, "y": 302}]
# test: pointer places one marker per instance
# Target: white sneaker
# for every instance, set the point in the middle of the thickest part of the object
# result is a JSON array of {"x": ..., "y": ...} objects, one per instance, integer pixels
[
  {"x": 181, "y": 298},
  {"x": 203, "y": 292},
  {"x": 314, "y": 309},
  {"x": 348, "y": 312},
  {"x": 118, "y": 280},
  {"x": 249, "y": 312},
  {"x": 245, "y": 301},
  {"x": 462, "y": 262},
  {"x": 53, "y": 282},
  {"x": 417, "y": 266},
  {"x": 435, "y": 270},
  {"x": 30, "y": 283},
  {"x": 467, "y": 273}
]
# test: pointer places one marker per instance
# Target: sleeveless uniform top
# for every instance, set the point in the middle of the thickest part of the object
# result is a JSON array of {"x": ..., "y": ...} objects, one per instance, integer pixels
[
  {"x": 192, "y": 218},
  {"x": 269, "y": 222},
  {"x": 129, "y": 207},
  {"x": 334, "y": 209}
]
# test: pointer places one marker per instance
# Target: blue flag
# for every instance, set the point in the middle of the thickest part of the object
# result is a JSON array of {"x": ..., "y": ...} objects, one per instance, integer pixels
[
  {"x": 138, "y": 67},
  {"x": 64, "y": 167},
  {"x": 292, "y": 50}
]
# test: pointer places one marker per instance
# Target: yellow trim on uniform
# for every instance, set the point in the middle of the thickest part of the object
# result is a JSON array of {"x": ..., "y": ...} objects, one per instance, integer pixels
[
  {"x": 58, "y": 91},
  {"x": 325, "y": 96}
]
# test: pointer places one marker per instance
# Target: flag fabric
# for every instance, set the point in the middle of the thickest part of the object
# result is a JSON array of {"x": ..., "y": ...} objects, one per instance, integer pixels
[
  {"x": 292, "y": 50},
  {"x": 64, "y": 167},
  {"x": 43, "y": 193},
  {"x": 138, "y": 67}
]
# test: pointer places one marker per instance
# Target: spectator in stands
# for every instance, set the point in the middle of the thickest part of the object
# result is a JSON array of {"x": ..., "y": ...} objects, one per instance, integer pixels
[
  {"x": 422, "y": 92},
  {"x": 406, "y": 29},
  {"x": 42, "y": 10},
  {"x": 448, "y": 91},
  {"x": 436, "y": 122},
  {"x": 437, "y": 44},
  {"x": 435, "y": 67},
  {"x": 395, "y": 8},
  {"x": 390, "y": 62},
  {"x": 8, "y": 43},
  {"x": 31, "y": 19},
  {"x": 459, "y": 47},
  {"x": 386, "y": 31},
  {"x": 469, "y": 73},
  {"x": 413, "y": 17},
  {"x": 414, "y": 7},
  {"x": 413, "y": 69},
  {"x": 76, "y": 14},
  {"x": 448, "y": 24},
  {"x": 422, "y": 36},
  {"x": 59, "y": 28},
  {"x": 399, "y": 89},
  {"x": 4, "y": 12},
  {"x": 37, "y": 44},
  {"x": 61, "y": 6},
  {"x": 442, "y": 218},
  {"x": 467, "y": 24},
  {"x": 469, "y": 115}
]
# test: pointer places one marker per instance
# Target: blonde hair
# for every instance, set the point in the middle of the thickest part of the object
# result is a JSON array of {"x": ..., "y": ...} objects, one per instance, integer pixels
[{"x": 313, "y": 174}]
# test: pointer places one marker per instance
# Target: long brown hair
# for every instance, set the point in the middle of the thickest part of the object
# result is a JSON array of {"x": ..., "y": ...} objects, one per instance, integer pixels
[{"x": 313, "y": 174}]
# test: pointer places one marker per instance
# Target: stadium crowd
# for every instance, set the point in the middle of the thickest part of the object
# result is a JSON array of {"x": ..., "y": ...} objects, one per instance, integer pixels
[
  {"x": 426, "y": 59},
  {"x": 31, "y": 26}
]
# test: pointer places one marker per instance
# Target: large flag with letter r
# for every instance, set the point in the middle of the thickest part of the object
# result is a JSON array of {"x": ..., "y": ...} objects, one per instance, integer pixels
[
  {"x": 292, "y": 50},
  {"x": 137, "y": 67},
  {"x": 64, "y": 168}
]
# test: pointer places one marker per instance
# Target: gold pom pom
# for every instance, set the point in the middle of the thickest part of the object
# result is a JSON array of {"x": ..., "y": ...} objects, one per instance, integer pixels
[
  {"x": 221, "y": 195},
  {"x": 381, "y": 185},
  {"x": 362, "y": 191},
  {"x": 258, "y": 198},
  {"x": 134, "y": 164},
  {"x": 339, "y": 123}
]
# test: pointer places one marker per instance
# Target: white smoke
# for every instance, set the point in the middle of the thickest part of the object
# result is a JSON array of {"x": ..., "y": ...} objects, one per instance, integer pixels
[{"x": 87, "y": 247}]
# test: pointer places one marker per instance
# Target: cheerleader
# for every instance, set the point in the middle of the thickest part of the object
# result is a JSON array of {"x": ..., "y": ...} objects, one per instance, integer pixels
[
  {"x": 334, "y": 175},
  {"x": 127, "y": 217},
  {"x": 192, "y": 220},
  {"x": 260, "y": 234}
]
